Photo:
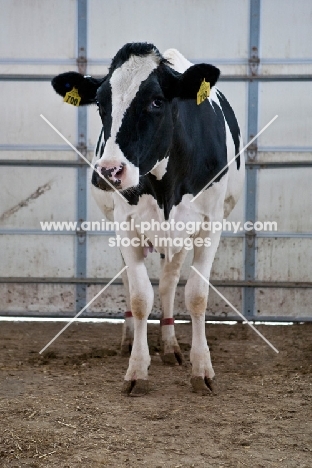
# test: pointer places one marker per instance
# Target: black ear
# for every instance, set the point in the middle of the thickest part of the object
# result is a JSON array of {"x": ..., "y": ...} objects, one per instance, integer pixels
[
  {"x": 187, "y": 84},
  {"x": 193, "y": 77},
  {"x": 86, "y": 86}
]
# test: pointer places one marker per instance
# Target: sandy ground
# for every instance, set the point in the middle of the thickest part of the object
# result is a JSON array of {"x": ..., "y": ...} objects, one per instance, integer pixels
[{"x": 65, "y": 409}]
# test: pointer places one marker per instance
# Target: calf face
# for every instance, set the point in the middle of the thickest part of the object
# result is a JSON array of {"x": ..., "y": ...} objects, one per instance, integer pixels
[{"x": 138, "y": 108}]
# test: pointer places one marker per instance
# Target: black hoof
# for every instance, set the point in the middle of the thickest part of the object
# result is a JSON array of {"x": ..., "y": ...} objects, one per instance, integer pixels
[
  {"x": 203, "y": 386},
  {"x": 172, "y": 359},
  {"x": 135, "y": 388}
]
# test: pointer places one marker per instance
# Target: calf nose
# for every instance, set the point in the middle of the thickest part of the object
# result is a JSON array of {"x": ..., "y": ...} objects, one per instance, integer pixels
[{"x": 111, "y": 172}]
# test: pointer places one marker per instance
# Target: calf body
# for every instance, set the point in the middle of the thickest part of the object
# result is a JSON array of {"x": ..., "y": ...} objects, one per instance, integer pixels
[{"x": 159, "y": 148}]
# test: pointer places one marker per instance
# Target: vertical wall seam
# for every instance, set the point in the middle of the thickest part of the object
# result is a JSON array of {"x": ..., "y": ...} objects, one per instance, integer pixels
[
  {"x": 250, "y": 243},
  {"x": 81, "y": 209}
]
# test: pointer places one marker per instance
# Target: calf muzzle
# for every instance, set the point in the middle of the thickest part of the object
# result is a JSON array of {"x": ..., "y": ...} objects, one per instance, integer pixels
[{"x": 108, "y": 176}]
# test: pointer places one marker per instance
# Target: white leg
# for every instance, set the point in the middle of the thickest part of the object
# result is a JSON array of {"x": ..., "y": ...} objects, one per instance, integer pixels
[
  {"x": 196, "y": 296},
  {"x": 141, "y": 301},
  {"x": 127, "y": 328},
  {"x": 170, "y": 274}
]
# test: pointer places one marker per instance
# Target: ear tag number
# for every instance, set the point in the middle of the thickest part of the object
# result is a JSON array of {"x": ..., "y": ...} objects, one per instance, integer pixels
[
  {"x": 72, "y": 97},
  {"x": 204, "y": 92}
]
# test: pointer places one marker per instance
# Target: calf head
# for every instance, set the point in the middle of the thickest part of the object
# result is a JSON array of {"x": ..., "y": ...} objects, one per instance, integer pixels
[{"x": 137, "y": 105}]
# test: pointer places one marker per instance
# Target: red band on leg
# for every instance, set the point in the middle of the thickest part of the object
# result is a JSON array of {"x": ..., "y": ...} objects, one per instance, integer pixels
[
  {"x": 128, "y": 314},
  {"x": 166, "y": 321}
]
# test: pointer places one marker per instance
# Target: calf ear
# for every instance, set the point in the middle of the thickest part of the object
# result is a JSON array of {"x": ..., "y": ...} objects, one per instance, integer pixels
[
  {"x": 193, "y": 77},
  {"x": 85, "y": 85},
  {"x": 186, "y": 85}
]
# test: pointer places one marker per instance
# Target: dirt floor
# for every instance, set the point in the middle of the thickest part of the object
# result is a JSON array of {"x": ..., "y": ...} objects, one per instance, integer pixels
[{"x": 65, "y": 409}]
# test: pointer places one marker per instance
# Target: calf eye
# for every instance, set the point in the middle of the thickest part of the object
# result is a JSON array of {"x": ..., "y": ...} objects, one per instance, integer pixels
[{"x": 156, "y": 104}]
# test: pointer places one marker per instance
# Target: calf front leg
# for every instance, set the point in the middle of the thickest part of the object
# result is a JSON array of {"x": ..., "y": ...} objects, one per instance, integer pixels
[{"x": 141, "y": 301}]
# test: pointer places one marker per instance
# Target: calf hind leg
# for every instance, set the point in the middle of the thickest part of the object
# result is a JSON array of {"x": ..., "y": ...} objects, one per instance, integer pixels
[
  {"x": 170, "y": 273},
  {"x": 127, "y": 328}
]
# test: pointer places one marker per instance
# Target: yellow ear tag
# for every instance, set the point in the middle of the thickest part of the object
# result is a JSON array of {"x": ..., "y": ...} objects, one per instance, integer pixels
[
  {"x": 204, "y": 92},
  {"x": 72, "y": 97}
]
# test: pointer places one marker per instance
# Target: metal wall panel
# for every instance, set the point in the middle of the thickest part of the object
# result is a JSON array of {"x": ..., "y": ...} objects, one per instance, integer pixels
[
  {"x": 21, "y": 123},
  {"x": 286, "y": 37},
  {"x": 42, "y": 256},
  {"x": 43, "y": 300},
  {"x": 183, "y": 24},
  {"x": 102, "y": 259},
  {"x": 292, "y": 102},
  {"x": 44, "y": 194},
  {"x": 285, "y": 196},
  {"x": 228, "y": 261},
  {"x": 284, "y": 260},
  {"x": 37, "y": 36},
  {"x": 289, "y": 303}
]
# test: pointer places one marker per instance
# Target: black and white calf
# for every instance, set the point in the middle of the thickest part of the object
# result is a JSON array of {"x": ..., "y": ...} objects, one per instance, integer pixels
[{"x": 160, "y": 149}]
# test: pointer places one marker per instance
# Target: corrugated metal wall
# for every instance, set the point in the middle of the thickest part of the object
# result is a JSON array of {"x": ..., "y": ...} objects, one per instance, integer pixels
[{"x": 263, "y": 50}]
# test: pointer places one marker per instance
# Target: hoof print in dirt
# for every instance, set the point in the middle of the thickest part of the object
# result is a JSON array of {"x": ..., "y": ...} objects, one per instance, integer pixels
[
  {"x": 135, "y": 388},
  {"x": 172, "y": 359},
  {"x": 203, "y": 386}
]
